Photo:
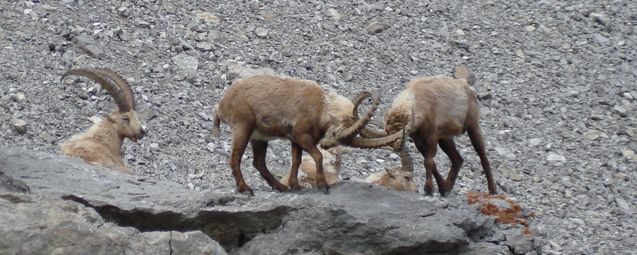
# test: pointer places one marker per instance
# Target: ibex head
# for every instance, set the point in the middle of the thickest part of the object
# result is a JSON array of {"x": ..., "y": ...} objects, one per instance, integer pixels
[
  {"x": 125, "y": 117},
  {"x": 346, "y": 130}
]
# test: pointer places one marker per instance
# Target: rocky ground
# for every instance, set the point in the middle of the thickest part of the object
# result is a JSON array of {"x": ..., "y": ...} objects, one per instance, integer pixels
[{"x": 557, "y": 81}]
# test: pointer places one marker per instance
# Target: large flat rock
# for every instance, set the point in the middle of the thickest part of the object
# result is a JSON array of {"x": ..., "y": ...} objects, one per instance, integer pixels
[{"x": 63, "y": 195}]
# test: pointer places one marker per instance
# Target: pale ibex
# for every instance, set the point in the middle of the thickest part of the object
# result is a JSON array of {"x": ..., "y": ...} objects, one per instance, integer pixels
[
  {"x": 332, "y": 162},
  {"x": 443, "y": 107},
  {"x": 102, "y": 143},
  {"x": 398, "y": 178},
  {"x": 265, "y": 107}
]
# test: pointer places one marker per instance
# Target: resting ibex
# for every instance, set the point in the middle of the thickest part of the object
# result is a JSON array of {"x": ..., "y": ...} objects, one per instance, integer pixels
[
  {"x": 332, "y": 161},
  {"x": 398, "y": 178},
  {"x": 102, "y": 143},
  {"x": 443, "y": 107},
  {"x": 265, "y": 107}
]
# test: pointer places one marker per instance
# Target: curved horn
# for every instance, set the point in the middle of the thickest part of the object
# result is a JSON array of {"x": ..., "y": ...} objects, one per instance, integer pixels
[
  {"x": 113, "y": 90},
  {"x": 369, "y": 143},
  {"x": 120, "y": 82},
  {"x": 365, "y": 132},
  {"x": 405, "y": 160},
  {"x": 358, "y": 99},
  {"x": 360, "y": 123}
]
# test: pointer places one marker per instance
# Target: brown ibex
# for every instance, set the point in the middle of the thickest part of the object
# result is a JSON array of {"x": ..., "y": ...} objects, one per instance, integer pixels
[
  {"x": 265, "y": 107},
  {"x": 101, "y": 144},
  {"x": 443, "y": 107}
]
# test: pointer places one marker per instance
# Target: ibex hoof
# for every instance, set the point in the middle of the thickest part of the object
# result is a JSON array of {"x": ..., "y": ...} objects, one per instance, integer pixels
[
  {"x": 280, "y": 188},
  {"x": 295, "y": 187},
  {"x": 245, "y": 188}
]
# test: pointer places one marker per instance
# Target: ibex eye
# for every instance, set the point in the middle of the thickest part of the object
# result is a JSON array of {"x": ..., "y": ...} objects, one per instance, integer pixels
[{"x": 126, "y": 119}]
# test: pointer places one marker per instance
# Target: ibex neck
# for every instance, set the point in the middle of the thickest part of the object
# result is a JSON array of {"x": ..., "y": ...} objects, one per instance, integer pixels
[{"x": 105, "y": 133}]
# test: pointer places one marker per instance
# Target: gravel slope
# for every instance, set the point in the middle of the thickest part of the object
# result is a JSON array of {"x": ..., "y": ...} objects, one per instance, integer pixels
[{"x": 557, "y": 81}]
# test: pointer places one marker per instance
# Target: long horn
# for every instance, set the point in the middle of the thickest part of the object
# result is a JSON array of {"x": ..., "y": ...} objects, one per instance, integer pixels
[
  {"x": 120, "y": 82},
  {"x": 405, "y": 160},
  {"x": 360, "y": 123},
  {"x": 365, "y": 132},
  {"x": 358, "y": 99},
  {"x": 113, "y": 90},
  {"x": 369, "y": 143}
]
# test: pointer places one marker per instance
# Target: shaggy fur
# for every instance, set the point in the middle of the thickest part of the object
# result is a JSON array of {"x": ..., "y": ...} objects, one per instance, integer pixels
[
  {"x": 265, "y": 107},
  {"x": 101, "y": 144}
]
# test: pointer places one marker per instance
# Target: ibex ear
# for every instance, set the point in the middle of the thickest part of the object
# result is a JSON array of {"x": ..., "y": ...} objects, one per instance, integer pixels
[
  {"x": 389, "y": 173},
  {"x": 112, "y": 117}
]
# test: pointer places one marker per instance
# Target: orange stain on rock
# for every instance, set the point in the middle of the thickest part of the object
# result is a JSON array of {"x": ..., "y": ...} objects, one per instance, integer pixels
[{"x": 503, "y": 209}]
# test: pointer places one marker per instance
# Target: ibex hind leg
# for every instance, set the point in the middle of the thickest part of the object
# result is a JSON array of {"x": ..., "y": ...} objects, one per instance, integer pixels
[
  {"x": 448, "y": 146},
  {"x": 428, "y": 148},
  {"x": 478, "y": 144},
  {"x": 293, "y": 182},
  {"x": 259, "y": 150},
  {"x": 307, "y": 143},
  {"x": 240, "y": 139}
]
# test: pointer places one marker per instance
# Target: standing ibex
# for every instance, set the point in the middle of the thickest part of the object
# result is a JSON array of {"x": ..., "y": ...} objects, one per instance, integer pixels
[
  {"x": 102, "y": 143},
  {"x": 442, "y": 107},
  {"x": 265, "y": 107}
]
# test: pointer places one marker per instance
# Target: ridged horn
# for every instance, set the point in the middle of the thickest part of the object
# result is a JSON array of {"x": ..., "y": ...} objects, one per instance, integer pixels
[
  {"x": 365, "y": 132},
  {"x": 360, "y": 123},
  {"x": 369, "y": 143},
  {"x": 120, "y": 82},
  {"x": 406, "y": 162},
  {"x": 116, "y": 93}
]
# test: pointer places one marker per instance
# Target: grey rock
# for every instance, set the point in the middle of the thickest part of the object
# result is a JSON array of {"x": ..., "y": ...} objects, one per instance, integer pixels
[
  {"x": 600, "y": 39},
  {"x": 623, "y": 205},
  {"x": 238, "y": 70},
  {"x": 186, "y": 64},
  {"x": 552, "y": 156},
  {"x": 19, "y": 96},
  {"x": 520, "y": 243},
  {"x": 19, "y": 126},
  {"x": 629, "y": 154},
  {"x": 261, "y": 32},
  {"x": 505, "y": 153},
  {"x": 534, "y": 142},
  {"x": 376, "y": 27},
  {"x": 90, "y": 46},
  {"x": 621, "y": 110},
  {"x": 600, "y": 18},
  {"x": 334, "y": 14},
  {"x": 353, "y": 218},
  {"x": 205, "y": 46},
  {"x": 10, "y": 184},
  {"x": 594, "y": 135}
]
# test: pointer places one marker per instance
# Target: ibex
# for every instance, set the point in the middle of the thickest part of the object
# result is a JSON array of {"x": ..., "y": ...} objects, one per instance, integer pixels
[
  {"x": 101, "y": 144},
  {"x": 443, "y": 107},
  {"x": 265, "y": 107},
  {"x": 398, "y": 178},
  {"x": 332, "y": 161}
]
